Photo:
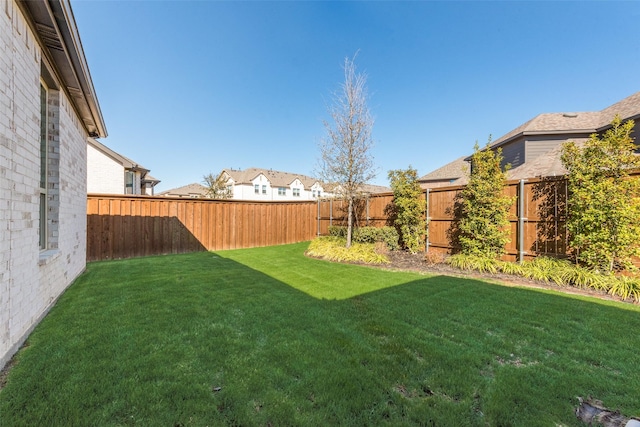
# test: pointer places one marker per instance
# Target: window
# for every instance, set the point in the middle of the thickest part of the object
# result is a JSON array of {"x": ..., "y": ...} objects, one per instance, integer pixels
[
  {"x": 256, "y": 189},
  {"x": 314, "y": 193},
  {"x": 282, "y": 191},
  {"x": 44, "y": 148},
  {"x": 49, "y": 183},
  {"x": 128, "y": 182},
  {"x": 319, "y": 193},
  {"x": 296, "y": 192},
  {"x": 264, "y": 189}
]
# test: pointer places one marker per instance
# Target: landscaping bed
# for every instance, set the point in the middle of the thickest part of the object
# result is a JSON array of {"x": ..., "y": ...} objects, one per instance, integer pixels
[{"x": 404, "y": 260}]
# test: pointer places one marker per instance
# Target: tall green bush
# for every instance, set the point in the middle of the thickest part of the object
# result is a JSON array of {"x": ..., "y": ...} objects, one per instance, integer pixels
[
  {"x": 408, "y": 208},
  {"x": 604, "y": 208},
  {"x": 482, "y": 207}
]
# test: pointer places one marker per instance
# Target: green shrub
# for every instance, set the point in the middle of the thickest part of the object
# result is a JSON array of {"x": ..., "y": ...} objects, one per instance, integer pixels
[
  {"x": 585, "y": 278},
  {"x": 388, "y": 235},
  {"x": 408, "y": 208},
  {"x": 604, "y": 201},
  {"x": 560, "y": 272},
  {"x": 366, "y": 235},
  {"x": 548, "y": 270},
  {"x": 481, "y": 227},
  {"x": 333, "y": 248},
  {"x": 511, "y": 268},
  {"x": 337, "y": 231},
  {"x": 473, "y": 262},
  {"x": 626, "y": 287}
]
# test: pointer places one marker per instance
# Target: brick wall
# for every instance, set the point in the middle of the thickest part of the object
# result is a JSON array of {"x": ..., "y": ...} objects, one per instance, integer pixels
[{"x": 32, "y": 279}]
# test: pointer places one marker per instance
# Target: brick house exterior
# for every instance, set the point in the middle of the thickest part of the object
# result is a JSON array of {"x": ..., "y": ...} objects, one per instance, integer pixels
[{"x": 48, "y": 109}]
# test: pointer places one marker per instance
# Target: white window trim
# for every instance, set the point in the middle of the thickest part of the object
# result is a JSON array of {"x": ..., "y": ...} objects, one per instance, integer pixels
[{"x": 42, "y": 226}]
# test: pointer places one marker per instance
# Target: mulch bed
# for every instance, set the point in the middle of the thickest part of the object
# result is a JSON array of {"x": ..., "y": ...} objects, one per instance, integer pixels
[{"x": 405, "y": 261}]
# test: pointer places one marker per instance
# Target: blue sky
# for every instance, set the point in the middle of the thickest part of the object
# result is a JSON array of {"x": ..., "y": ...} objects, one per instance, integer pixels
[{"x": 192, "y": 87}]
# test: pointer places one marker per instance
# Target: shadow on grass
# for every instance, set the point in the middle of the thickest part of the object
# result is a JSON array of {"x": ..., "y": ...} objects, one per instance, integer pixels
[{"x": 287, "y": 340}]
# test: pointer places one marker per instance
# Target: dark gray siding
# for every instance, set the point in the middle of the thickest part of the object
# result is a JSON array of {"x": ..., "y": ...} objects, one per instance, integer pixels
[
  {"x": 539, "y": 145},
  {"x": 513, "y": 153}
]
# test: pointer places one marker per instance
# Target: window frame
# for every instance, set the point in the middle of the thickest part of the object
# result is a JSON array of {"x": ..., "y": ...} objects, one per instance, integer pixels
[
  {"x": 128, "y": 187},
  {"x": 44, "y": 160}
]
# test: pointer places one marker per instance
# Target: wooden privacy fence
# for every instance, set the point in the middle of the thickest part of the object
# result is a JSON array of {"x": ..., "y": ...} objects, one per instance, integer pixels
[
  {"x": 134, "y": 226},
  {"x": 537, "y": 217}
]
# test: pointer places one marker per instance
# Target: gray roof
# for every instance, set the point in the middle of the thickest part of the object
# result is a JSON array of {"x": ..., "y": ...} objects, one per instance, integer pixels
[
  {"x": 148, "y": 178},
  {"x": 547, "y": 164},
  {"x": 454, "y": 170},
  {"x": 186, "y": 190},
  {"x": 276, "y": 178},
  {"x": 374, "y": 189},
  {"x": 572, "y": 123}
]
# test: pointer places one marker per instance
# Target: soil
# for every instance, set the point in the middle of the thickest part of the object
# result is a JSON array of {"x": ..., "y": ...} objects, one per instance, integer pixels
[{"x": 405, "y": 261}]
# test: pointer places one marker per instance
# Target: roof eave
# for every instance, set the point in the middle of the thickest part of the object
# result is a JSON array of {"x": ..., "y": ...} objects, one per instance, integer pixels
[
  {"x": 54, "y": 25},
  {"x": 537, "y": 133}
]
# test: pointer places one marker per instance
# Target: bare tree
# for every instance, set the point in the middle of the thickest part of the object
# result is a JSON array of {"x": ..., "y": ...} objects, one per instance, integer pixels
[
  {"x": 217, "y": 187},
  {"x": 346, "y": 158}
]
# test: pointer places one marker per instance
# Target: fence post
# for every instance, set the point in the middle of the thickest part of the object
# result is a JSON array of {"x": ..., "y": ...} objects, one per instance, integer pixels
[
  {"x": 367, "y": 202},
  {"x": 330, "y": 212},
  {"x": 521, "y": 220},
  {"x": 426, "y": 195},
  {"x": 318, "y": 233}
]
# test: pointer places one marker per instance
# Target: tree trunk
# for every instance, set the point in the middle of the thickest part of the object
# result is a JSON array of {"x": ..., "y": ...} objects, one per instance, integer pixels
[{"x": 349, "y": 222}]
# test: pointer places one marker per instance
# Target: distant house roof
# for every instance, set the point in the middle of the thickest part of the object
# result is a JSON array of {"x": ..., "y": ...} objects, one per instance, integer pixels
[
  {"x": 126, "y": 162},
  {"x": 365, "y": 188},
  {"x": 374, "y": 189},
  {"x": 566, "y": 123},
  {"x": 276, "y": 178},
  {"x": 451, "y": 171},
  {"x": 628, "y": 108},
  {"x": 189, "y": 190},
  {"x": 149, "y": 179}
]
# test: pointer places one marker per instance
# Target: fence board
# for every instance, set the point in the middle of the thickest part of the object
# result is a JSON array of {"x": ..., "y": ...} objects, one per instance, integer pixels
[
  {"x": 127, "y": 226},
  {"x": 131, "y": 226}
]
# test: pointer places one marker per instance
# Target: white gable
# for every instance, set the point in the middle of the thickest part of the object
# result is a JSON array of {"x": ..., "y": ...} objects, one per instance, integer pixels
[{"x": 260, "y": 179}]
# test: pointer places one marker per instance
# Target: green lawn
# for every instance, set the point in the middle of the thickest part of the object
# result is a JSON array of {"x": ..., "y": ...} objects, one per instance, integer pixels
[{"x": 297, "y": 341}]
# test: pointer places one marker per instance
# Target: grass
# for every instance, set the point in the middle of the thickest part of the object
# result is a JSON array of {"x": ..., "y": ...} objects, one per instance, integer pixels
[{"x": 268, "y": 337}]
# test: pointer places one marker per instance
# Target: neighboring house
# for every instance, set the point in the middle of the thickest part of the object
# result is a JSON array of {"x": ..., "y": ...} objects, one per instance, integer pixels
[
  {"x": 549, "y": 131},
  {"x": 267, "y": 184},
  {"x": 534, "y": 148},
  {"x": 48, "y": 110},
  {"x": 191, "y": 191},
  {"x": 111, "y": 173},
  {"x": 454, "y": 173}
]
